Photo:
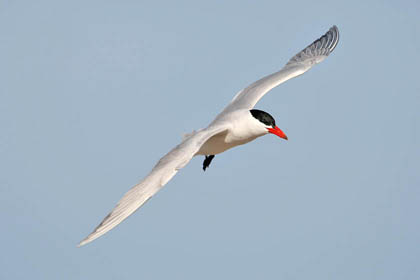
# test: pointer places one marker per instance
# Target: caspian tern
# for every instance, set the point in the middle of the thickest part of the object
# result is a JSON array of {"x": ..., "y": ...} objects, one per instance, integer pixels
[{"x": 236, "y": 125}]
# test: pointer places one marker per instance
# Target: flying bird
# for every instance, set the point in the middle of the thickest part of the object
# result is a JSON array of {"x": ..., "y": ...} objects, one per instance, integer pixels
[{"x": 238, "y": 124}]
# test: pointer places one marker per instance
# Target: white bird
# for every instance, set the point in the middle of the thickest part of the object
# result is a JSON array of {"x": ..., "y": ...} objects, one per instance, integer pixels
[{"x": 236, "y": 125}]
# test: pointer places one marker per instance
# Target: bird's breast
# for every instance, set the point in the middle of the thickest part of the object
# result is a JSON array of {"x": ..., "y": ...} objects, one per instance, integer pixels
[
  {"x": 222, "y": 142},
  {"x": 243, "y": 128}
]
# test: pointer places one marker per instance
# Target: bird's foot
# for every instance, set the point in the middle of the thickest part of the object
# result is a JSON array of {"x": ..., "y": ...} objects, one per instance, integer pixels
[{"x": 207, "y": 161}]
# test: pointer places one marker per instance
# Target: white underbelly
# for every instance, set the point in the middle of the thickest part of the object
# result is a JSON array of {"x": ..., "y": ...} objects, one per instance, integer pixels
[{"x": 220, "y": 143}]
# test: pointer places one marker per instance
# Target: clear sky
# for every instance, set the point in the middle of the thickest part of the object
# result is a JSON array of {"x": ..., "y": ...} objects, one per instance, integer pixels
[{"x": 93, "y": 93}]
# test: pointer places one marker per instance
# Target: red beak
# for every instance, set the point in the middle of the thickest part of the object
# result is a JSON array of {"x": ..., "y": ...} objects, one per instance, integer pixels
[{"x": 277, "y": 131}]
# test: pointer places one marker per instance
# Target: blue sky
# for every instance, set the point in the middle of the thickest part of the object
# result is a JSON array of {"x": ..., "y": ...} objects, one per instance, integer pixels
[{"x": 93, "y": 93}]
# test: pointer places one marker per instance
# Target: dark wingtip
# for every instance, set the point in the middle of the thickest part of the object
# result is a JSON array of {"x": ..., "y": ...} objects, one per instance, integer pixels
[{"x": 322, "y": 46}]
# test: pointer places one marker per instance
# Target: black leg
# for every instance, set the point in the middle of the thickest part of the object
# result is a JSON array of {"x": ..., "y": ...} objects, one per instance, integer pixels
[{"x": 207, "y": 161}]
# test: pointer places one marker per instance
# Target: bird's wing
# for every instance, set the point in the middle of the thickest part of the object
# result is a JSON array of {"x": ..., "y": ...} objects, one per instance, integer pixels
[
  {"x": 163, "y": 171},
  {"x": 297, "y": 65}
]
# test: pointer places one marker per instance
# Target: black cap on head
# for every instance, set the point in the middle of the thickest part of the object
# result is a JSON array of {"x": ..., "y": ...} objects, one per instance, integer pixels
[{"x": 263, "y": 117}]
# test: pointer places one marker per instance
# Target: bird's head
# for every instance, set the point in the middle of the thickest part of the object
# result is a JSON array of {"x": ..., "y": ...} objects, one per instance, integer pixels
[{"x": 268, "y": 122}]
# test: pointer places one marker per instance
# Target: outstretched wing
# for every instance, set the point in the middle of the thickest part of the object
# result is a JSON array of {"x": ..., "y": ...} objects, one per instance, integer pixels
[
  {"x": 163, "y": 171},
  {"x": 297, "y": 65}
]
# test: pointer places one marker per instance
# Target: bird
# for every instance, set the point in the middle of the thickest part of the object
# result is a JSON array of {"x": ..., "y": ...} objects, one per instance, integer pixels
[{"x": 237, "y": 124}]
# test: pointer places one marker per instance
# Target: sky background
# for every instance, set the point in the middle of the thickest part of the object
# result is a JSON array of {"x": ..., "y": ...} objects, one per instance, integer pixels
[{"x": 93, "y": 93}]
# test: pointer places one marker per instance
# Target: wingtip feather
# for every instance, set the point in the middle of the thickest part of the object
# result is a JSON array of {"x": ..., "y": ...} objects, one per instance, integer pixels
[
  {"x": 85, "y": 241},
  {"x": 319, "y": 49}
]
